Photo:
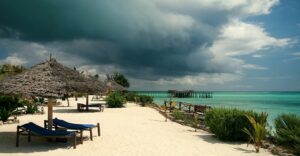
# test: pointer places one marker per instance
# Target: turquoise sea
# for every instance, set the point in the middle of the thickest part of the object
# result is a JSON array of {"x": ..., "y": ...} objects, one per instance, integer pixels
[{"x": 274, "y": 103}]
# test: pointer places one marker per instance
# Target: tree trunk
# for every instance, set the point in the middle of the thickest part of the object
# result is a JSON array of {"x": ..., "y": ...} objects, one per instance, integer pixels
[{"x": 68, "y": 102}]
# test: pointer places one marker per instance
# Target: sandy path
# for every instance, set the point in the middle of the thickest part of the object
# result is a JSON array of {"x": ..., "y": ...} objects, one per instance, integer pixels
[{"x": 131, "y": 131}]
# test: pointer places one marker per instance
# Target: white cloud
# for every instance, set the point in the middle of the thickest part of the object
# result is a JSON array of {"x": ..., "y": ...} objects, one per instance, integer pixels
[
  {"x": 253, "y": 66},
  {"x": 257, "y": 56},
  {"x": 240, "y": 38},
  {"x": 198, "y": 82},
  {"x": 15, "y": 60}
]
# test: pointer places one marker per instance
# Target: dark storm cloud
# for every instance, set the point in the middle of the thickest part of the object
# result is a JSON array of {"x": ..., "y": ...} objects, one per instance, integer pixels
[{"x": 142, "y": 38}]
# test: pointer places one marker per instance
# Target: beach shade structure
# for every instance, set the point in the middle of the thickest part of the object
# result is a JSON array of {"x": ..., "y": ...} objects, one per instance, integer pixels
[
  {"x": 113, "y": 86},
  {"x": 49, "y": 79},
  {"x": 92, "y": 86}
]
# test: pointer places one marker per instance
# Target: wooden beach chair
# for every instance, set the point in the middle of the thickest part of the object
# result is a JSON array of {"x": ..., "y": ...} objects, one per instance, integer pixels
[
  {"x": 31, "y": 129},
  {"x": 82, "y": 107},
  {"x": 61, "y": 124}
]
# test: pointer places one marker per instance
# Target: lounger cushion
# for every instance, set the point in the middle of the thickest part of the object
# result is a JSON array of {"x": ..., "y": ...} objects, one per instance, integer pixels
[
  {"x": 43, "y": 131},
  {"x": 68, "y": 125}
]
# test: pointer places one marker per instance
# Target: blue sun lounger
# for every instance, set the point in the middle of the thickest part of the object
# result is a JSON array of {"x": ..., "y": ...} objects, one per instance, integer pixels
[
  {"x": 33, "y": 129},
  {"x": 61, "y": 124}
]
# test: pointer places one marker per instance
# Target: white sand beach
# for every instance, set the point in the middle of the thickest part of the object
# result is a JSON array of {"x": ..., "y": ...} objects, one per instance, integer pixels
[{"x": 129, "y": 131}]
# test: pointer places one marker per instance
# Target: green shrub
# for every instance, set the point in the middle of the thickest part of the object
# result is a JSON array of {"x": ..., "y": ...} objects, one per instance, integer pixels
[
  {"x": 227, "y": 124},
  {"x": 4, "y": 114},
  {"x": 7, "y": 105},
  {"x": 144, "y": 99},
  {"x": 287, "y": 127},
  {"x": 31, "y": 108},
  {"x": 186, "y": 118},
  {"x": 130, "y": 96},
  {"x": 39, "y": 100},
  {"x": 115, "y": 100}
]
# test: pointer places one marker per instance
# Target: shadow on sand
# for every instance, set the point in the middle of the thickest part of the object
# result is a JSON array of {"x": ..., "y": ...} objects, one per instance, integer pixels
[
  {"x": 37, "y": 144},
  {"x": 210, "y": 138},
  {"x": 244, "y": 150},
  {"x": 74, "y": 111}
]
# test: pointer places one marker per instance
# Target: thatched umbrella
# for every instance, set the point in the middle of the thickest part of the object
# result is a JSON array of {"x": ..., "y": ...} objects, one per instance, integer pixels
[
  {"x": 93, "y": 82},
  {"x": 48, "y": 79},
  {"x": 114, "y": 86}
]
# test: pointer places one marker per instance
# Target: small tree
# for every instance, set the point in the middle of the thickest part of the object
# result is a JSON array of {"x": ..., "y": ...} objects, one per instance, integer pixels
[
  {"x": 258, "y": 133},
  {"x": 120, "y": 79}
]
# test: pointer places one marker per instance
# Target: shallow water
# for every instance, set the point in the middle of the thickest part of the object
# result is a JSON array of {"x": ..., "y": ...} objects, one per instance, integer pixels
[{"x": 274, "y": 103}]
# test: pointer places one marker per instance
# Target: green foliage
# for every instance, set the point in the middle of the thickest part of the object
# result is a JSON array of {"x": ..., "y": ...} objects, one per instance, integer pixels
[
  {"x": 7, "y": 105},
  {"x": 39, "y": 100},
  {"x": 186, "y": 118},
  {"x": 287, "y": 127},
  {"x": 8, "y": 69},
  {"x": 115, "y": 100},
  {"x": 120, "y": 79},
  {"x": 31, "y": 107},
  {"x": 5, "y": 114},
  {"x": 258, "y": 133},
  {"x": 130, "y": 96},
  {"x": 144, "y": 99},
  {"x": 227, "y": 124}
]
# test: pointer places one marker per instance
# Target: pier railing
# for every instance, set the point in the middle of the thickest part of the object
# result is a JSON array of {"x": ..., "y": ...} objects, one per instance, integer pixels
[
  {"x": 187, "y": 107},
  {"x": 190, "y": 109}
]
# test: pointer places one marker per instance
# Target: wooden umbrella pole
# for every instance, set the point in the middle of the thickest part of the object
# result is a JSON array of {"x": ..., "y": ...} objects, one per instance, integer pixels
[
  {"x": 87, "y": 102},
  {"x": 50, "y": 114}
]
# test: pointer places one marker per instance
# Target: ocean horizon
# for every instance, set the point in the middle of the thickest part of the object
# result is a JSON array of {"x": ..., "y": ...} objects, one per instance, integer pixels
[{"x": 272, "y": 102}]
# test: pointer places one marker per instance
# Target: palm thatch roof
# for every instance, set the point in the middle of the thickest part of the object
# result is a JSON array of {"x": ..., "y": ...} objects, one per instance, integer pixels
[
  {"x": 50, "y": 79},
  {"x": 114, "y": 86}
]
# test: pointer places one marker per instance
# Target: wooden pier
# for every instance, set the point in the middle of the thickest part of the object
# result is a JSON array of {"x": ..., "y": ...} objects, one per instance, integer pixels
[
  {"x": 178, "y": 94},
  {"x": 190, "y": 94}
]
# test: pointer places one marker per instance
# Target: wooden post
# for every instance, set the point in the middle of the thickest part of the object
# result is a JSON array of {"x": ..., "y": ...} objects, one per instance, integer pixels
[
  {"x": 87, "y": 102},
  {"x": 50, "y": 114},
  {"x": 18, "y": 133},
  {"x": 81, "y": 137},
  {"x": 29, "y": 136},
  {"x": 91, "y": 134},
  {"x": 74, "y": 140},
  {"x": 180, "y": 105},
  {"x": 98, "y": 127}
]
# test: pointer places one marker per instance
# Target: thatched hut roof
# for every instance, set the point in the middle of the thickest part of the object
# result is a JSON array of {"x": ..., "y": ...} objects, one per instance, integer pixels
[
  {"x": 114, "y": 86},
  {"x": 49, "y": 79}
]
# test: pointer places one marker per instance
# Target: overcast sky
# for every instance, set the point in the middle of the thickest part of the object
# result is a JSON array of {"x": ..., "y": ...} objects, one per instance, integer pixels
[{"x": 249, "y": 45}]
